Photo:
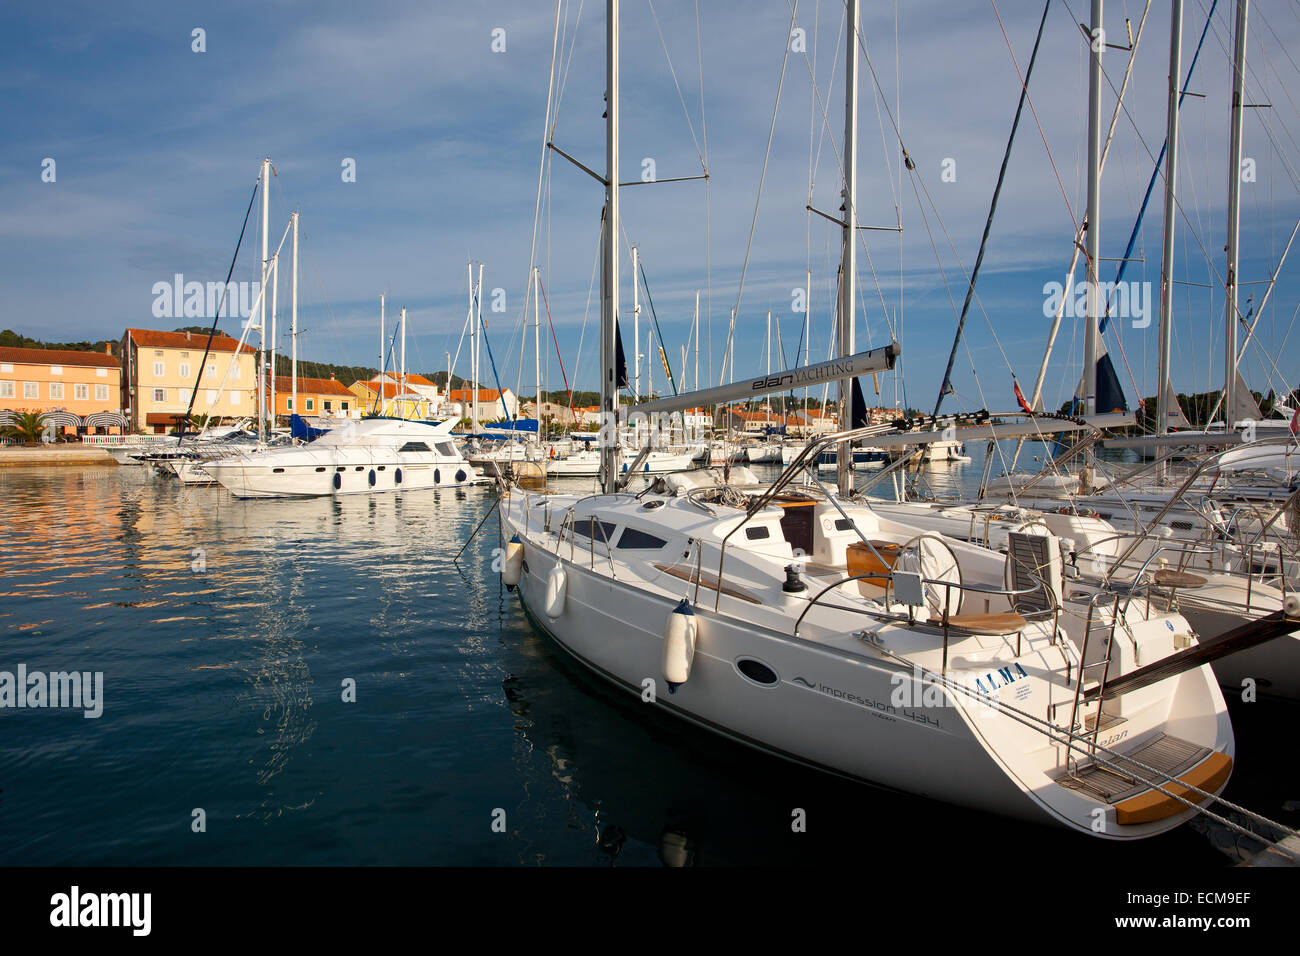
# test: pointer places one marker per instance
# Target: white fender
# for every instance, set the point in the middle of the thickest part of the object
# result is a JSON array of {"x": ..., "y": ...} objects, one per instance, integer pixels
[
  {"x": 555, "y": 587},
  {"x": 513, "y": 565},
  {"x": 679, "y": 645}
]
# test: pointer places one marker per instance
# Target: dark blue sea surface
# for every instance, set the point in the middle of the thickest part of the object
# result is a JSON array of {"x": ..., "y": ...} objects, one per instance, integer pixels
[{"x": 226, "y": 630}]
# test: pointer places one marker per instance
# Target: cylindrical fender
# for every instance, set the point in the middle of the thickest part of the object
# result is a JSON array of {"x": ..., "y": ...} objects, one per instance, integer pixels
[
  {"x": 512, "y": 566},
  {"x": 679, "y": 645},
  {"x": 556, "y": 585}
]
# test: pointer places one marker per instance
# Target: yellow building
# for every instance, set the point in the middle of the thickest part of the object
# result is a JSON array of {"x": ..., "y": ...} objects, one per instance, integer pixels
[
  {"x": 408, "y": 405},
  {"x": 160, "y": 369}
]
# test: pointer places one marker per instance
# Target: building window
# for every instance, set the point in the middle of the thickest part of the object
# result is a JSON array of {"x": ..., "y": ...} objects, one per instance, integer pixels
[
  {"x": 210, "y": 396},
  {"x": 56, "y": 369},
  {"x": 311, "y": 403},
  {"x": 160, "y": 394},
  {"x": 101, "y": 373},
  {"x": 289, "y": 402},
  {"x": 6, "y": 389},
  {"x": 328, "y": 404},
  {"x": 101, "y": 393},
  {"x": 6, "y": 367},
  {"x": 343, "y": 405},
  {"x": 234, "y": 370},
  {"x": 81, "y": 393},
  {"x": 157, "y": 353},
  {"x": 159, "y": 370},
  {"x": 185, "y": 355},
  {"x": 56, "y": 390},
  {"x": 185, "y": 370},
  {"x": 212, "y": 368},
  {"x": 31, "y": 390},
  {"x": 236, "y": 397}
]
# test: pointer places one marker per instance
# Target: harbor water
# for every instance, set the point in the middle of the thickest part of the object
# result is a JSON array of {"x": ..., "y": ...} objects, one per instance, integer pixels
[{"x": 321, "y": 681}]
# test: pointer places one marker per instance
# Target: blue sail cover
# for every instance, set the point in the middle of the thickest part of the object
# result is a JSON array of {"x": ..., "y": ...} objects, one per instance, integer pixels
[{"x": 298, "y": 428}]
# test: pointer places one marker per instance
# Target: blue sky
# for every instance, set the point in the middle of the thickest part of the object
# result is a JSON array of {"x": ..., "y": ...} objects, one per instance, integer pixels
[{"x": 157, "y": 148}]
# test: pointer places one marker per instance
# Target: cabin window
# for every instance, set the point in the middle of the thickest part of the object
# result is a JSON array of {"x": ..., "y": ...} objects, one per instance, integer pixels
[
  {"x": 444, "y": 448},
  {"x": 843, "y": 524},
  {"x": 586, "y": 528},
  {"x": 635, "y": 540},
  {"x": 757, "y": 533},
  {"x": 277, "y": 471},
  {"x": 414, "y": 446},
  {"x": 322, "y": 468}
]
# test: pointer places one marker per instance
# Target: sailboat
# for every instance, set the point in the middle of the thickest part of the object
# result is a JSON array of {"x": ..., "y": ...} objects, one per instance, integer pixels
[{"x": 797, "y": 621}]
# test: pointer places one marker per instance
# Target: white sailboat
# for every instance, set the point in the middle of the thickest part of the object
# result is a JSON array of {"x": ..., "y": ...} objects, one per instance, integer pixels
[{"x": 801, "y": 623}]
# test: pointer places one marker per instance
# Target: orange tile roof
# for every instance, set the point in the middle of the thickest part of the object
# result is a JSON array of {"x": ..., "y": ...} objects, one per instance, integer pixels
[
  {"x": 464, "y": 395},
  {"x": 155, "y": 339},
  {"x": 316, "y": 386},
  {"x": 388, "y": 390},
  {"x": 57, "y": 357}
]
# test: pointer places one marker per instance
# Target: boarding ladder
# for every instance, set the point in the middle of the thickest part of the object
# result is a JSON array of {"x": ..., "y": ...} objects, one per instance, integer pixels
[{"x": 1078, "y": 726}]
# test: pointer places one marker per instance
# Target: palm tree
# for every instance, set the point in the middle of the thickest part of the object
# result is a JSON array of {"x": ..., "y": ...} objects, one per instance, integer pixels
[{"x": 24, "y": 426}]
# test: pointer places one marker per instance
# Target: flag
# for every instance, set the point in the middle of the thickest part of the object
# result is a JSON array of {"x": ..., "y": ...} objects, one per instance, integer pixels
[{"x": 1020, "y": 396}]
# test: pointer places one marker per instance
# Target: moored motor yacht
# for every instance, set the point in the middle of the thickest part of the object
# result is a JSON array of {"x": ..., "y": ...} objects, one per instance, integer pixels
[{"x": 366, "y": 457}]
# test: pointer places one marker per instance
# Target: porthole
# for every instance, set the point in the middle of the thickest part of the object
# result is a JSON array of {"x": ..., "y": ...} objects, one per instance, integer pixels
[
  {"x": 341, "y": 468},
  {"x": 755, "y": 671},
  {"x": 360, "y": 468},
  {"x": 382, "y": 467},
  {"x": 277, "y": 471},
  {"x": 321, "y": 468}
]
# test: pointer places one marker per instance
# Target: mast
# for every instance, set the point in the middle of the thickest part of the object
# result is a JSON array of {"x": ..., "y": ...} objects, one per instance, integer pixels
[
  {"x": 275, "y": 296},
  {"x": 293, "y": 322},
  {"x": 636, "y": 330},
  {"x": 380, "y": 405},
  {"x": 1234, "y": 219},
  {"x": 1171, "y": 179},
  {"x": 478, "y": 330},
  {"x": 261, "y": 313},
  {"x": 402, "y": 380},
  {"x": 844, "y": 452},
  {"x": 537, "y": 344},
  {"x": 609, "y": 304},
  {"x": 1093, "y": 264},
  {"x": 696, "y": 333}
]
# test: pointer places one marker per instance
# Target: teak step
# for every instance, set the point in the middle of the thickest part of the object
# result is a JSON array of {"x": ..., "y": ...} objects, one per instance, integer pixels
[
  {"x": 709, "y": 581},
  {"x": 1210, "y": 774}
]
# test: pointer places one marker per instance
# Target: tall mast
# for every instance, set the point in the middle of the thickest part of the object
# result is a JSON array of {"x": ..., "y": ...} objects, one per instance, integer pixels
[
  {"x": 293, "y": 322},
  {"x": 261, "y": 313},
  {"x": 380, "y": 405},
  {"x": 1234, "y": 218},
  {"x": 275, "y": 305},
  {"x": 478, "y": 329},
  {"x": 636, "y": 331},
  {"x": 696, "y": 333},
  {"x": 609, "y": 309},
  {"x": 844, "y": 452},
  {"x": 1093, "y": 265},
  {"x": 402, "y": 380},
  {"x": 1171, "y": 180},
  {"x": 537, "y": 343}
]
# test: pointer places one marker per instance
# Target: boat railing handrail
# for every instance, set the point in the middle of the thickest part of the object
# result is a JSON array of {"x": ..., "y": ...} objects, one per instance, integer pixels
[{"x": 943, "y": 625}]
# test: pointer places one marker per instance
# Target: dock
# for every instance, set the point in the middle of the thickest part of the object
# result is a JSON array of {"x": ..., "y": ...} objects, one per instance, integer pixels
[{"x": 53, "y": 456}]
